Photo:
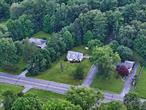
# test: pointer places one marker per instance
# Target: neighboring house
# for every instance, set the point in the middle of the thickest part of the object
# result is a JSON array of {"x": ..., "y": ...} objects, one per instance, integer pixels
[
  {"x": 74, "y": 56},
  {"x": 38, "y": 42},
  {"x": 129, "y": 65}
]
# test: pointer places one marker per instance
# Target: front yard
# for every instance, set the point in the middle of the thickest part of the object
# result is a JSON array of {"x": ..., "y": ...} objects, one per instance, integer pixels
[
  {"x": 111, "y": 85},
  {"x": 56, "y": 74},
  {"x": 140, "y": 88}
]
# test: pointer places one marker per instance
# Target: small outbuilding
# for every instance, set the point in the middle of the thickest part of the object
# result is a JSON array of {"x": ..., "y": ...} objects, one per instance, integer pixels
[
  {"x": 129, "y": 65},
  {"x": 38, "y": 42},
  {"x": 73, "y": 56}
]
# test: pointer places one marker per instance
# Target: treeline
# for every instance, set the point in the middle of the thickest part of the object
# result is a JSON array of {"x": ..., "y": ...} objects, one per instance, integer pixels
[
  {"x": 88, "y": 22},
  {"x": 74, "y": 99}
]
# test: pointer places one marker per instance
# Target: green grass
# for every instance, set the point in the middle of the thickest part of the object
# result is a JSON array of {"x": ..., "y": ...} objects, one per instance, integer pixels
[
  {"x": 44, "y": 95},
  {"x": 111, "y": 85},
  {"x": 41, "y": 35},
  {"x": 140, "y": 88},
  {"x": 65, "y": 76},
  {"x": 6, "y": 87},
  {"x": 19, "y": 68},
  {"x": 81, "y": 49}
]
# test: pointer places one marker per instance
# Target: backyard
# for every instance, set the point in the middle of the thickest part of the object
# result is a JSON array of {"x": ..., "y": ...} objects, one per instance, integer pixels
[{"x": 41, "y": 35}]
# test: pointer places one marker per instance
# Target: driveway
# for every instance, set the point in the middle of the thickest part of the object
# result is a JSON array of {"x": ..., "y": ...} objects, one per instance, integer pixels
[{"x": 90, "y": 76}]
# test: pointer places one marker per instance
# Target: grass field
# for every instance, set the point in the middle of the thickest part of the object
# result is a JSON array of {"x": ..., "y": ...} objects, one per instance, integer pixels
[
  {"x": 6, "y": 87},
  {"x": 56, "y": 74},
  {"x": 112, "y": 85},
  {"x": 140, "y": 88},
  {"x": 41, "y": 35},
  {"x": 45, "y": 95},
  {"x": 65, "y": 76}
]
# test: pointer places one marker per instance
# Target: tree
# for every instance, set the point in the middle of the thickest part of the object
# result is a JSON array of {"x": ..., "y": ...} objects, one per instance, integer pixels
[
  {"x": 122, "y": 70},
  {"x": 132, "y": 101},
  {"x": 87, "y": 37},
  {"x": 60, "y": 104},
  {"x": 4, "y": 10},
  {"x": 107, "y": 5},
  {"x": 125, "y": 53},
  {"x": 27, "y": 102},
  {"x": 112, "y": 106},
  {"x": 68, "y": 39},
  {"x": 127, "y": 34},
  {"x": 130, "y": 12},
  {"x": 47, "y": 24},
  {"x": 85, "y": 97},
  {"x": 143, "y": 107},
  {"x": 9, "y": 98},
  {"x": 7, "y": 52},
  {"x": 93, "y": 43},
  {"x": 79, "y": 72},
  {"x": 114, "y": 45},
  {"x": 106, "y": 60},
  {"x": 140, "y": 46}
]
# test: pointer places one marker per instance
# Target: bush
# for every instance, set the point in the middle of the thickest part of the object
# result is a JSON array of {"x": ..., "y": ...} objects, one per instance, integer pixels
[
  {"x": 125, "y": 53},
  {"x": 79, "y": 73},
  {"x": 122, "y": 70}
]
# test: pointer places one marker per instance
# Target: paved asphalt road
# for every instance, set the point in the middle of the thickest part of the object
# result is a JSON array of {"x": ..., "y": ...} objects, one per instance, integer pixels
[
  {"x": 34, "y": 83},
  {"x": 128, "y": 81},
  {"x": 61, "y": 88}
]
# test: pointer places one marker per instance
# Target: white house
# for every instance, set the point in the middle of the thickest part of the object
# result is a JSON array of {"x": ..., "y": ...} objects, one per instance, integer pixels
[
  {"x": 74, "y": 56},
  {"x": 38, "y": 42}
]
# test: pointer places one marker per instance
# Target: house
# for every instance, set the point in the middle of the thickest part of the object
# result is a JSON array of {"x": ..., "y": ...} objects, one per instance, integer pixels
[
  {"x": 38, "y": 42},
  {"x": 129, "y": 65},
  {"x": 74, "y": 56}
]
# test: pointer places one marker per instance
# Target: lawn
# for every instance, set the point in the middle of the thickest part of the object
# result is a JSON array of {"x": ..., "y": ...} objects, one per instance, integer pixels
[
  {"x": 65, "y": 76},
  {"x": 56, "y": 74},
  {"x": 44, "y": 95},
  {"x": 19, "y": 68},
  {"x": 111, "y": 85},
  {"x": 5, "y": 87},
  {"x": 41, "y": 35},
  {"x": 140, "y": 88},
  {"x": 81, "y": 49}
]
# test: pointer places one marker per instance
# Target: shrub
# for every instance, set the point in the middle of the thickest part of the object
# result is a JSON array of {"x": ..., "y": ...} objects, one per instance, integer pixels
[
  {"x": 122, "y": 70},
  {"x": 79, "y": 73}
]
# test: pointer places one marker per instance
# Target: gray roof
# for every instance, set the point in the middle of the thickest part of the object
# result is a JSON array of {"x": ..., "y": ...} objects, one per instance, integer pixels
[
  {"x": 72, "y": 55},
  {"x": 38, "y": 42}
]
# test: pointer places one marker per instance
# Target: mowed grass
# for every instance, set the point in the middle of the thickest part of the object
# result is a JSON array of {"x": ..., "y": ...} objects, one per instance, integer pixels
[
  {"x": 45, "y": 95},
  {"x": 7, "y": 87},
  {"x": 41, "y": 35},
  {"x": 140, "y": 88},
  {"x": 56, "y": 74},
  {"x": 113, "y": 85}
]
